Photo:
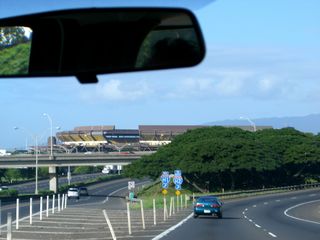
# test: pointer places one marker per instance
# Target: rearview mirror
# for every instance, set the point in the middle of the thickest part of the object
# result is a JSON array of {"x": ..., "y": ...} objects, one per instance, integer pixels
[{"x": 87, "y": 42}]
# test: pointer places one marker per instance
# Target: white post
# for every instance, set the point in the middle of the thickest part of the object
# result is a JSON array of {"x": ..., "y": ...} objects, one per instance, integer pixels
[
  {"x": 47, "y": 212},
  {"x": 62, "y": 202},
  {"x": 177, "y": 203},
  {"x": 9, "y": 226},
  {"x": 17, "y": 214},
  {"x": 53, "y": 201},
  {"x": 65, "y": 201},
  {"x": 170, "y": 207},
  {"x": 30, "y": 210},
  {"x": 165, "y": 211},
  {"x": 129, "y": 218},
  {"x": 186, "y": 201},
  {"x": 173, "y": 208},
  {"x": 59, "y": 202},
  {"x": 181, "y": 202},
  {"x": 41, "y": 208},
  {"x": 142, "y": 215},
  {"x": 154, "y": 212}
]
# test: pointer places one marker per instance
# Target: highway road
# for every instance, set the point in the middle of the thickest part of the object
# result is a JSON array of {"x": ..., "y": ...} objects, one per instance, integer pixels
[
  {"x": 29, "y": 187},
  {"x": 289, "y": 216}
]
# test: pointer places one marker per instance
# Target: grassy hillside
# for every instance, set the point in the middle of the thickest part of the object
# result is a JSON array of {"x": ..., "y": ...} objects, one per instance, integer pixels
[{"x": 15, "y": 60}]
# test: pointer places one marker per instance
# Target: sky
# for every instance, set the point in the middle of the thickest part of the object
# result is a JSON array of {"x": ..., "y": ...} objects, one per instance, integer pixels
[{"x": 262, "y": 60}]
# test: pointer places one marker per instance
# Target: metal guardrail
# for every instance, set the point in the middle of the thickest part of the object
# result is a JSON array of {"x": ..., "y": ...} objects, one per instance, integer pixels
[{"x": 266, "y": 190}]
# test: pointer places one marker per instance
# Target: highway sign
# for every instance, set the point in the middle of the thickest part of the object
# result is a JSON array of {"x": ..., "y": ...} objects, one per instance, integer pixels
[
  {"x": 177, "y": 172},
  {"x": 131, "y": 185},
  {"x": 165, "y": 178},
  {"x": 165, "y": 185},
  {"x": 178, "y": 192},
  {"x": 178, "y": 187}
]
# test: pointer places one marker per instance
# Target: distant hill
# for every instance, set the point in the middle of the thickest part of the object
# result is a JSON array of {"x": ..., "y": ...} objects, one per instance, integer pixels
[{"x": 309, "y": 123}]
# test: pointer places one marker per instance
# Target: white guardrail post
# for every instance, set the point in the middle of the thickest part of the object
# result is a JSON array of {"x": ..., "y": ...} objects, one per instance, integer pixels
[
  {"x": 53, "y": 201},
  {"x": 17, "y": 213},
  {"x": 154, "y": 212},
  {"x": 47, "y": 212},
  {"x": 129, "y": 218},
  {"x": 142, "y": 215},
  {"x": 62, "y": 202},
  {"x": 9, "y": 226},
  {"x": 59, "y": 202},
  {"x": 41, "y": 206},
  {"x": 65, "y": 200},
  {"x": 30, "y": 211}
]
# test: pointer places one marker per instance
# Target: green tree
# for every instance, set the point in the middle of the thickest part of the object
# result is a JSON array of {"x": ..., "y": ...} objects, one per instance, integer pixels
[
  {"x": 11, "y": 36},
  {"x": 12, "y": 174}
]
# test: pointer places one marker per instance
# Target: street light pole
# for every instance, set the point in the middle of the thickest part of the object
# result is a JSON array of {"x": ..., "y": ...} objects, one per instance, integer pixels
[
  {"x": 51, "y": 133},
  {"x": 251, "y": 122}
]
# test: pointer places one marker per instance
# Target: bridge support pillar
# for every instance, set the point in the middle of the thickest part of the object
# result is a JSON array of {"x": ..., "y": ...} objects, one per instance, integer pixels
[{"x": 53, "y": 179}]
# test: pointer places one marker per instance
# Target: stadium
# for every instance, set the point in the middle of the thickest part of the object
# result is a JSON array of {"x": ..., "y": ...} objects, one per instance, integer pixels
[{"x": 107, "y": 138}]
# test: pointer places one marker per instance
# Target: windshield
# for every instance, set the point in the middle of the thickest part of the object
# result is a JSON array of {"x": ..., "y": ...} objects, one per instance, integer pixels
[{"x": 243, "y": 125}]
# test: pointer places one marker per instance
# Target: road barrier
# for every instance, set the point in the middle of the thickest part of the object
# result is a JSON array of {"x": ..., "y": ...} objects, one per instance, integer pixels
[
  {"x": 47, "y": 211},
  {"x": 41, "y": 198},
  {"x": 53, "y": 201},
  {"x": 30, "y": 211},
  {"x": 9, "y": 226},
  {"x": 58, "y": 202},
  {"x": 263, "y": 190},
  {"x": 154, "y": 212},
  {"x": 17, "y": 213},
  {"x": 142, "y": 215},
  {"x": 129, "y": 218}
]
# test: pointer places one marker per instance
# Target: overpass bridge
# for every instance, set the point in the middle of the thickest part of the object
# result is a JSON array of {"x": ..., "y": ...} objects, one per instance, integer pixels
[{"x": 68, "y": 159}]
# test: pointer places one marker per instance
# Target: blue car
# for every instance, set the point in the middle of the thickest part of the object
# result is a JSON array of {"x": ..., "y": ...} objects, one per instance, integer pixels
[{"x": 207, "y": 205}]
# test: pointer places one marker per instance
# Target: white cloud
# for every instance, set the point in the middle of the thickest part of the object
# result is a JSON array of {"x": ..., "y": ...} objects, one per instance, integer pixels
[{"x": 119, "y": 90}]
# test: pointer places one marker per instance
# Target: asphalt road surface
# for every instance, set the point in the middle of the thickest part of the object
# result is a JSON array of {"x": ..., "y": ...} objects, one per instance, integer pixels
[{"x": 289, "y": 216}]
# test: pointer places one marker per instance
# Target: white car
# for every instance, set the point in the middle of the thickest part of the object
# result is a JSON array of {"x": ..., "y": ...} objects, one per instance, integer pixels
[{"x": 73, "y": 193}]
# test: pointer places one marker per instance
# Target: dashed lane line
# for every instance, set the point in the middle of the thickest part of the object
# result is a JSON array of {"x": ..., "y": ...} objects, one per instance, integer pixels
[{"x": 272, "y": 235}]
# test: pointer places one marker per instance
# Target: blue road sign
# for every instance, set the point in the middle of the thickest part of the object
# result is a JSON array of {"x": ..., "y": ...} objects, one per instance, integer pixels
[
  {"x": 177, "y": 172},
  {"x": 178, "y": 180},
  {"x": 165, "y": 185},
  {"x": 178, "y": 187}
]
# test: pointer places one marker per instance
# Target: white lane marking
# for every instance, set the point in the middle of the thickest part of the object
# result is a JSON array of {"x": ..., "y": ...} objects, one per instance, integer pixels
[
  {"x": 300, "y": 219},
  {"x": 254, "y": 206},
  {"x": 258, "y": 226},
  {"x": 250, "y": 220},
  {"x": 278, "y": 200},
  {"x": 243, "y": 213},
  {"x": 272, "y": 235},
  {"x": 312, "y": 195},
  {"x": 293, "y": 198},
  {"x": 265, "y": 203},
  {"x": 161, "y": 235}
]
